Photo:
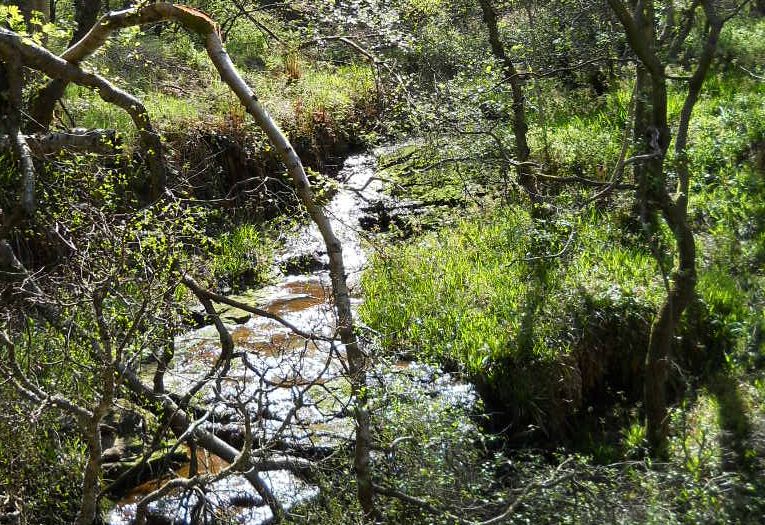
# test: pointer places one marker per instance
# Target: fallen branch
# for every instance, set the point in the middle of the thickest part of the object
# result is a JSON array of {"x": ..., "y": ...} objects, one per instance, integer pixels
[
  {"x": 19, "y": 144},
  {"x": 78, "y": 140}
]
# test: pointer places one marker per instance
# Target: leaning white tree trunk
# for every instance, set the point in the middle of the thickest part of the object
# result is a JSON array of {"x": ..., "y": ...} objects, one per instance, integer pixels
[{"x": 198, "y": 22}]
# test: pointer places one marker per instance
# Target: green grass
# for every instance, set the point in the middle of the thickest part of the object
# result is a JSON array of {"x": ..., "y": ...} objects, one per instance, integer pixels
[
  {"x": 742, "y": 42},
  {"x": 243, "y": 254},
  {"x": 173, "y": 77},
  {"x": 470, "y": 297}
]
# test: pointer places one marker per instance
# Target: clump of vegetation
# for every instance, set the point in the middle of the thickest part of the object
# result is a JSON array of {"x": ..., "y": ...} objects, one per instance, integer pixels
[
  {"x": 242, "y": 257},
  {"x": 540, "y": 346},
  {"x": 41, "y": 458}
]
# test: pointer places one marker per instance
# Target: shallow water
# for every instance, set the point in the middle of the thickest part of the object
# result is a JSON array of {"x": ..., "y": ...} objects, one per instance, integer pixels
[{"x": 294, "y": 388}]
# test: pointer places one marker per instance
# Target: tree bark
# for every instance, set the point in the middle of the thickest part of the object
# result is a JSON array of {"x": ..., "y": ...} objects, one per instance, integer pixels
[
  {"x": 520, "y": 126},
  {"x": 759, "y": 8},
  {"x": 41, "y": 107},
  {"x": 31, "y": 7}
]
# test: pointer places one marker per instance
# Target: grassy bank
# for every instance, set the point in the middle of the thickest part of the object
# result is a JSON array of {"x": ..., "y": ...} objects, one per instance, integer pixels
[{"x": 551, "y": 317}]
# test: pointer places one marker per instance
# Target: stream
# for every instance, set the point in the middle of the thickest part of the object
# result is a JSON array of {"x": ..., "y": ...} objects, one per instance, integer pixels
[{"x": 294, "y": 389}]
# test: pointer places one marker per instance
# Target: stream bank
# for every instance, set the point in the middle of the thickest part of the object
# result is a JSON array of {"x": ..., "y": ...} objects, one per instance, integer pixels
[{"x": 294, "y": 389}]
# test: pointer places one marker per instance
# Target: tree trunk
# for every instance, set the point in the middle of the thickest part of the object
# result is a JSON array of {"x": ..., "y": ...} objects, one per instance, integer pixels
[
  {"x": 91, "y": 480},
  {"x": 683, "y": 282},
  {"x": 641, "y": 124},
  {"x": 663, "y": 331},
  {"x": 31, "y": 7},
  {"x": 650, "y": 121},
  {"x": 652, "y": 134},
  {"x": 85, "y": 13},
  {"x": 520, "y": 127}
]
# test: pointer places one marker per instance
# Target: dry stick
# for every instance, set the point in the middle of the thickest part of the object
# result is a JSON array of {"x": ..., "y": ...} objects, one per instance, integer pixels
[
  {"x": 755, "y": 76},
  {"x": 260, "y": 25},
  {"x": 527, "y": 491},
  {"x": 582, "y": 180},
  {"x": 531, "y": 487},
  {"x": 417, "y": 502},
  {"x": 68, "y": 114},
  {"x": 222, "y": 364},
  {"x": 24, "y": 153}
]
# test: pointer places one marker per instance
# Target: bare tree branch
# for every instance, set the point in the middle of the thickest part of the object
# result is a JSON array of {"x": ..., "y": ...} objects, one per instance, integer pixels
[
  {"x": 78, "y": 140},
  {"x": 14, "y": 47}
]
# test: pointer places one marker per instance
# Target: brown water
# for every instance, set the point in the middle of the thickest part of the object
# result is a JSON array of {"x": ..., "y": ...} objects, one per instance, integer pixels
[{"x": 278, "y": 369}]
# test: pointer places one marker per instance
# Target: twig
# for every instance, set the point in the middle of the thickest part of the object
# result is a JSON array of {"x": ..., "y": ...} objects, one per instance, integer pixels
[
  {"x": 527, "y": 491},
  {"x": 203, "y": 293}
]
